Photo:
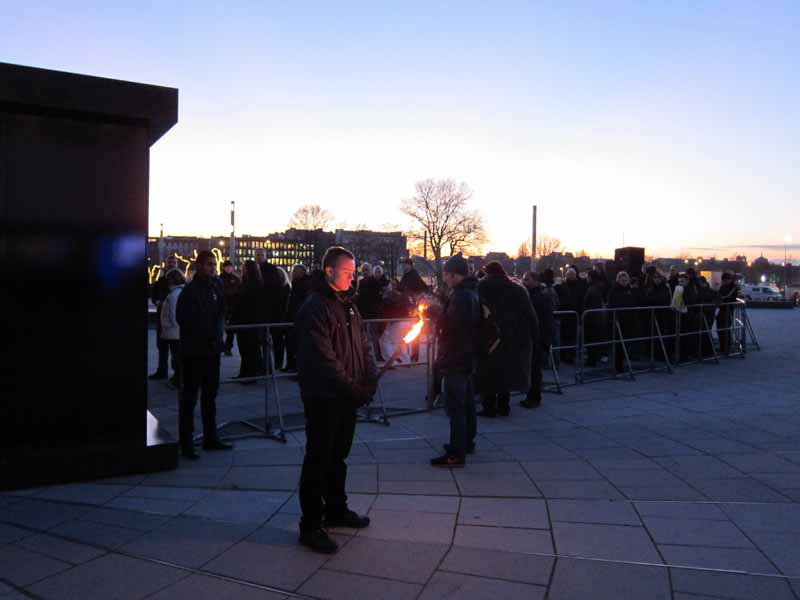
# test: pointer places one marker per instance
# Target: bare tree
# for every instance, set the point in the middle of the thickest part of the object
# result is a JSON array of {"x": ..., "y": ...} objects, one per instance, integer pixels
[
  {"x": 547, "y": 245},
  {"x": 311, "y": 217},
  {"x": 524, "y": 250},
  {"x": 582, "y": 254},
  {"x": 439, "y": 212}
]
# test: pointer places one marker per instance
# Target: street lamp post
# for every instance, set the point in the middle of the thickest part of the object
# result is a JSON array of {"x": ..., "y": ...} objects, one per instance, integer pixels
[{"x": 787, "y": 239}]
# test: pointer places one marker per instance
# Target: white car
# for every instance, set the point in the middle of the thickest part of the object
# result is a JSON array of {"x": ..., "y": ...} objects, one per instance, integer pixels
[{"x": 760, "y": 293}]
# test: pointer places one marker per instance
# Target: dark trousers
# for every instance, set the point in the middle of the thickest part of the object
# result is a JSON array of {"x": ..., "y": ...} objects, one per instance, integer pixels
[
  {"x": 291, "y": 350},
  {"x": 200, "y": 374},
  {"x": 723, "y": 332},
  {"x": 279, "y": 346},
  {"x": 459, "y": 403},
  {"x": 175, "y": 351},
  {"x": 163, "y": 348},
  {"x": 330, "y": 427},
  {"x": 494, "y": 402},
  {"x": 229, "y": 335},
  {"x": 538, "y": 362},
  {"x": 251, "y": 352}
]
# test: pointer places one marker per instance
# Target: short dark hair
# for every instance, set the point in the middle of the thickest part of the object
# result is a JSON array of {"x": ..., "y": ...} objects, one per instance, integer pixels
[
  {"x": 332, "y": 255},
  {"x": 227, "y": 263},
  {"x": 175, "y": 277},
  {"x": 203, "y": 256}
]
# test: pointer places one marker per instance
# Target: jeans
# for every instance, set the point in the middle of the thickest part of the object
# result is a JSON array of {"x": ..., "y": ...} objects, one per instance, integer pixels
[
  {"x": 200, "y": 374},
  {"x": 459, "y": 403}
]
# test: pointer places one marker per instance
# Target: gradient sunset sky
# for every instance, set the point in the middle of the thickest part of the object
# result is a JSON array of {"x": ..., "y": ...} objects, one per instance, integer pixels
[{"x": 674, "y": 123}]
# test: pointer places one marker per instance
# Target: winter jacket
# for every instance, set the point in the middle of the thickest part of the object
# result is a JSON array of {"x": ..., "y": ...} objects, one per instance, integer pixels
[
  {"x": 458, "y": 330},
  {"x": 334, "y": 355},
  {"x": 301, "y": 288},
  {"x": 170, "y": 330},
  {"x": 570, "y": 294},
  {"x": 543, "y": 307},
  {"x": 200, "y": 314},
  {"x": 252, "y": 306},
  {"x": 411, "y": 283},
  {"x": 369, "y": 297},
  {"x": 276, "y": 294},
  {"x": 160, "y": 290},
  {"x": 595, "y": 322},
  {"x": 231, "y": 284},
  {"x": 508, "y": 368},
  {"x": 625, "y": 297}
]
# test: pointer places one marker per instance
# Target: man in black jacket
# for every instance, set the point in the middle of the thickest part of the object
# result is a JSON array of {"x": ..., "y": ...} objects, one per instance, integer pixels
[
  {"x": 337, "y": 374},
  {"x": 543, "y": 307},
  {"x": 159, "y": 293},
  {"x": 457, "y": 360},
  {"x": 201, "y": 317},
  {"x": 231, "y": 284}
]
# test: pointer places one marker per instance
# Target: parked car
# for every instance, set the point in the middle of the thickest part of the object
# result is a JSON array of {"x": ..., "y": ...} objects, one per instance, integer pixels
[{"x": 761, "y": 293}]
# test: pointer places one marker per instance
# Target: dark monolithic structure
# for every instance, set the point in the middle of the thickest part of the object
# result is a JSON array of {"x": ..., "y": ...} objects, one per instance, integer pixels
[{"x": 74, "y": 161}]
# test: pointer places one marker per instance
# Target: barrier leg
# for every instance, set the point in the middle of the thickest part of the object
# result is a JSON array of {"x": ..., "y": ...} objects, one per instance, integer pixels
[
  {"x": 663, "y": 348},
  {"x": 625, "y": 351},
  {"x": 707, "y": 330}
]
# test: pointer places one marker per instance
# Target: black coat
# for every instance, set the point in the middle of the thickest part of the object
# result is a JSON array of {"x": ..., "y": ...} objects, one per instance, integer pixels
[
  {"x": 570, "y": 294},
  {"x": 301, "y": 288},
  {"x": 412, "y": 283},
  {"x": 251, "y": 307},
  {"x": 508, "y": 368},
  {"x": 231, "y": 285},
  {"x": 543, "y": 307},
  {"x": 625, "y": 297},
  {"x": 595, "y": 322},
  {"x": 160, "y": 290},
  {"x": 369, "y": 297},
  {"x": 201, "y": 316},
  {"x": 333, "y": 351},
  {"x": 458, "y": 329},
  {"x": 277, "y": 293}
]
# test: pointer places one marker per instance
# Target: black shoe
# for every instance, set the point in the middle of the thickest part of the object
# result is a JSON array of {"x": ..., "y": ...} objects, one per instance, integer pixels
[
  {"x": 487, "y": 413},
  {"x": 189, "y": 453},
  {"x": 348, "y": 518},
  {"x": 504, "y": 411},
  {"x": 157, "y": 376},
  {"x": 448, "y": 461},
  {"x": 216, "y": 444},
  {"x": 319, "y": 541},
  {"x": 470, "y": 448}
]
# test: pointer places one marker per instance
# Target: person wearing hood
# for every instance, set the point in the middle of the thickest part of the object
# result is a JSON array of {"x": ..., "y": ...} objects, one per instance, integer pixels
[
  {"x": 571, "y": 293},
  {"x": 457, "y": 359},
  {"x": 508, "y": 368},
  {"x": 543, "y": 311},
  {"x": 337, "y": 374}
]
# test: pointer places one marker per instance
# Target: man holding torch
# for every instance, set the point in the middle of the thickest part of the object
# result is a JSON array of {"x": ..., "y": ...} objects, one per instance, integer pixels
[
  {"x": 337, "y": 374},
  {"x": 459, "y": 339}
]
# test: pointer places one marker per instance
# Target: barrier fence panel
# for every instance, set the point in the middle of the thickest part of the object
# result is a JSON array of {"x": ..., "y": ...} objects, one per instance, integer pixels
[{"x": 599, "y": 344}]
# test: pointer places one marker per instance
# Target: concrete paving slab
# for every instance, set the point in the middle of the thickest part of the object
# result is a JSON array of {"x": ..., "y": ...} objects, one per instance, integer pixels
[
  {"x": 450, "y": 585},
  {"x": 412, "y": 562},
  {"x": 124, "y": 518},
  {"x": 239, "y": 506},
  {"x": 608, "y": 512},
  {"x": 431, "y": 528},
  {"x": 201, "y": 587},
  {"x": 431, "y": 488},
  {"x": 581, "y": 579},
  {"x": 738, "y": 490},
  {"x": 681, "y": 510},
  {"x": 109, "y": 577},
  {"x": 511, "y": 566},
  {"x": 429, "y": 504},
  {"x": 734, "y": 559},
  {"x": 23, "y": 567},
  {"x": 156, "y": 506},
  {"x": 613, "y": 542},
  {"x": 579, "y": 490},
  {"x": 783, "y": 549},
  {"x": 732, "y": 586},
  {"x": 10, "y": 533},
  {"x": 695, "y": 532},
  {"x": 332, "y": 585},
  {"x": 562, "y": 469},
  {"x": 41, "y": 514},
  {"x": 520, "y": 513},
  {"x": 60, "y": 549},
  {"x": 262, "y": 478},
  {"x": 97, "y": 534},
  {"x": 83, "y": 493},
  {"x": 772, "y": 517},
  {"x": 507, "y": 539}
]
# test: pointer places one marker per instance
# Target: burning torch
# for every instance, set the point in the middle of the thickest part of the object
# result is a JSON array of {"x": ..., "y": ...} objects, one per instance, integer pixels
[{"x": 409, "y": 337}]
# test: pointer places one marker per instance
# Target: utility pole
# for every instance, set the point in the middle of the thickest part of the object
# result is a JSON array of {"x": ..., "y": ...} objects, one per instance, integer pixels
[
  {"x": 533, "y": 241},
  {"x": 232, "y": 245}
]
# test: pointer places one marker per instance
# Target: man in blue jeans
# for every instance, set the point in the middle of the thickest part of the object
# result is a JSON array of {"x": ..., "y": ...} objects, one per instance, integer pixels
[{"x": 458, "y": 327}]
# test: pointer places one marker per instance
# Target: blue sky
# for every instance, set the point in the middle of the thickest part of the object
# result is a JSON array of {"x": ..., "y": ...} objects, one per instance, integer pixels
[{"x": 675, "y": 123}]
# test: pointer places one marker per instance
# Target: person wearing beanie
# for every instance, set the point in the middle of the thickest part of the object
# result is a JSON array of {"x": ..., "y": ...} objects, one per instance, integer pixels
[
  {"x": 458, "y": 329},
  {"x": 508, "y": 368}
]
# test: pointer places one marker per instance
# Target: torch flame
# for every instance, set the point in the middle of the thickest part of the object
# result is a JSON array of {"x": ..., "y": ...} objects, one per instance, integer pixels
[{"x": 417, "y": 328}]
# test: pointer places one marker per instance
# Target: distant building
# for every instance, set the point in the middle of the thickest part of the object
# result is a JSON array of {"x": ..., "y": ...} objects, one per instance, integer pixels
[{"x": 384, "y": 248}]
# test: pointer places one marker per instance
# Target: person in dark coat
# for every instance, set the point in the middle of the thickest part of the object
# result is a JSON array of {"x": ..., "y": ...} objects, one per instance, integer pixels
[
  {"x": 543, "y": 310},
  {"x": 158, "y": 293},
  {"x": 200, "y": 314},
  {"x": 594, "y": 322},
  {"x": 231, "y": 283},
  {"x": 549, "y": 290},
  {"x": 301, "y": 288},
  {"x": 411, "y": 282},
  {"x": 659, "y": 297},
  {"x": 508, "y": 368},
  {"x": 279, "y": 335},
  {"x": 369, "y": 299},
  {"x": 728, "y": 294},
  {"x": 571, "y": 293},
  {"x": 275, "y": 293},
  {"x": 337, "y": 374},
  {"x": 624, "y": 296},
  {"x": 709, "y": 299},
  {"x": 458, "y": 333},
  {"x": 250, "y": 309},
  {"x": 690, "y": 320}
]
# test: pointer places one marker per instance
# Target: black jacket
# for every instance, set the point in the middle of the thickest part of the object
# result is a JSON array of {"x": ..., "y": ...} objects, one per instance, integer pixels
[
  {"x": 543, "y": 307},
  {"x": 570, "y": 294},
  {"x": 333, "y": 352},
  {"x": 369, "y": 297},
  {"x": 201, "y": 317},
  {"x": 625, "y": 297},
  {"x": 251, "y": 307},
  {"x": 301, "y": 288},
  {"x": 657, "y": 295},
  {"x": 412, "y": 283},
  {"x": 231, "y": 284},
  {"x": 276, "y": 293},
  {"x": 160, "y": 290},
  {"x": 458, "y": 328},
  {"x": 508, "y": 368}
]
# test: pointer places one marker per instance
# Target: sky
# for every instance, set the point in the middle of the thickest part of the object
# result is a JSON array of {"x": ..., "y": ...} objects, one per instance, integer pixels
[{"x": 669, "y": 125}]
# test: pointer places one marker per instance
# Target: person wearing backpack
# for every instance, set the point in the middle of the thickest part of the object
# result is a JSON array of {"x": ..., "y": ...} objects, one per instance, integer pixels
[
  {"x": 457, "y": 326},
  {"x": 508, "y": 368}
]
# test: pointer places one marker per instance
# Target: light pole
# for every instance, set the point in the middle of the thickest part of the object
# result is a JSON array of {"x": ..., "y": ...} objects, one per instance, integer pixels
[{"x": 232, "y": 247}]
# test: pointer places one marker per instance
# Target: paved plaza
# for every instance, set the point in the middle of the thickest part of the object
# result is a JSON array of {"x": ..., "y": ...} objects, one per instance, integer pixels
[{"x": 682, "y": 486}]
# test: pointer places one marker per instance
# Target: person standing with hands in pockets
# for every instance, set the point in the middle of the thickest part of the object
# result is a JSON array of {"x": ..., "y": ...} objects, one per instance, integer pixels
[{"x": 337, "y": 373}]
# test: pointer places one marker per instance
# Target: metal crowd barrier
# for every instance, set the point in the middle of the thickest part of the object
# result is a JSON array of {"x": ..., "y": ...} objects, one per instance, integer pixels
[{"x": 665, "y": 353}]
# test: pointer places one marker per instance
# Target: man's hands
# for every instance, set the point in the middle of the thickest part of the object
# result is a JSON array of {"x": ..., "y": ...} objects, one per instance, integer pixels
[{"x": 362, "y": 393}]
